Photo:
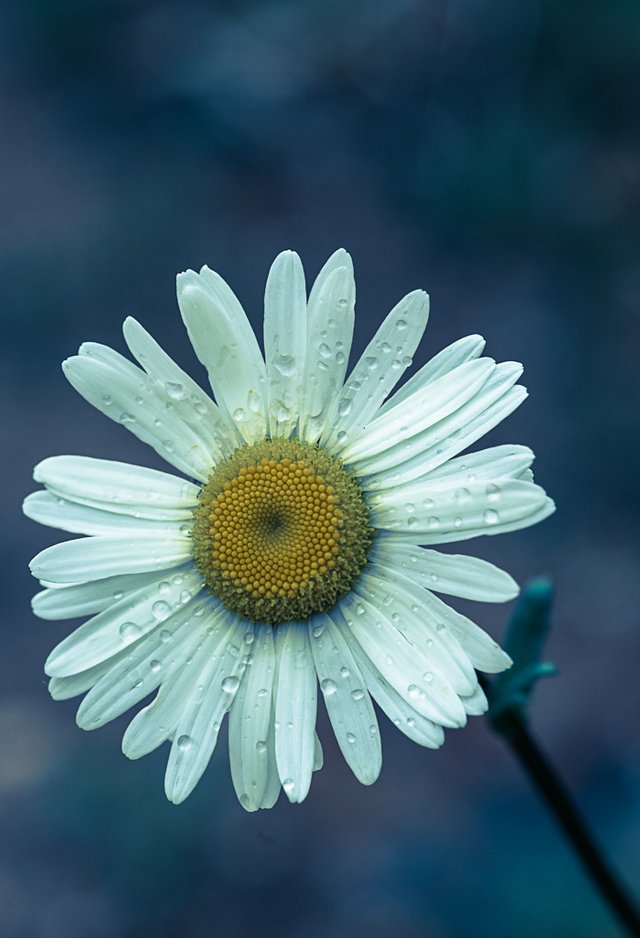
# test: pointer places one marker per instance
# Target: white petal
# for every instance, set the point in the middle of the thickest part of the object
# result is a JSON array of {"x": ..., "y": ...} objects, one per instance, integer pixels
[
  {"x": 119, "y": 487},
  {"x": 140, "y": 672},
  {"x": 401, "y": 664},
  {"x": 417, "y": 617},
  {"x": 122, "y": 624},
  {"x": 379, "y": 369},
  {"x": 47, "y": 508},
  {"x": 273, "y": 786},
  {"x": 508, "y": 461},
  {"x": 225, "y": 343},
  {"x": 456, "y": 575},
  {"x": 89, "y": 558},
  {"x": 415, "y": 457},
  {"x": 285, "y": 341},
  {"x": 191, "y": 403},
  {"x": 249, "y": 723},
  {"x": 64, "y": 688},
  {"x": 85, "y": 599},
  {"x": 476, "y": 704},
  {"x": 132, "y": 399},
  {"x": 347, "y": 699},
  {"x": 295, "y": 710},
  {"x": 439, "y": 513},
  {"x": 339, "y": 258},
  {"x": 398, "y": 708},
  {"x": 422, "y": 409},
  {"x": 318, "y": 755},
  {"x": 157, "y": 722},
  {"x": 464, "y": 350},
  {"x": 197, "y": 730},
  {"x": 481, "y": 649},
  {"x": 331, "y": 321}
]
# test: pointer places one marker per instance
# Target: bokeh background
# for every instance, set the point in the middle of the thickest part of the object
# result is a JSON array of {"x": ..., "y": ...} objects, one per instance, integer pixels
[{"x": 487, "y": 151}]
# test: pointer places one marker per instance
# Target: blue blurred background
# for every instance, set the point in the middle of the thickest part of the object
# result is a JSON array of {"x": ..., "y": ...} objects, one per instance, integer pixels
[{"x": 488, "y": 152}]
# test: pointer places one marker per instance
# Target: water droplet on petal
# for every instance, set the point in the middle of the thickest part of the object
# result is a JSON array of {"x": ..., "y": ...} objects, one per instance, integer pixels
[
  {"x": 184, "y": 743},
  {"x": 175, "y": 390},
  {"x": 328, "y": 687},
  {"x": 129, "y": 631},
  {"x": 161, "y": 610},
  {"x": 230, "y": 684},
  {"x": 491, "y": 516}
]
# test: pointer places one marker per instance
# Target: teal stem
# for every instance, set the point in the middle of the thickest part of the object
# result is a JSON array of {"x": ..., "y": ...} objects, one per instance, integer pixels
[{"x": 513, "y": 728}]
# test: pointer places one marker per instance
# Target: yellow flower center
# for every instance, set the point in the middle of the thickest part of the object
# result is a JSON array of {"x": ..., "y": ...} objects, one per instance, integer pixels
[{"x": 281, "y": 531}]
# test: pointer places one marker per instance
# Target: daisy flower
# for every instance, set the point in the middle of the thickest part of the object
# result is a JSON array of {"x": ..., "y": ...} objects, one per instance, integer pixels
[{"x": 295, "y": 550}]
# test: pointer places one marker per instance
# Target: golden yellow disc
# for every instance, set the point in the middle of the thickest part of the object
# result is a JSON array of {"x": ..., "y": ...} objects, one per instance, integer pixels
[{"x": 281, "y": 531}]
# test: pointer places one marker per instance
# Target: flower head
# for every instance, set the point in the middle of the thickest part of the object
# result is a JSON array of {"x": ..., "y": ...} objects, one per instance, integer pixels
[{"x": 293, "y": 553}]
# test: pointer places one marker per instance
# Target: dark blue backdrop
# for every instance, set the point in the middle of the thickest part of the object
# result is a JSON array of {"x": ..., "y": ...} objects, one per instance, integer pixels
[{"x": 488, "y": 152}]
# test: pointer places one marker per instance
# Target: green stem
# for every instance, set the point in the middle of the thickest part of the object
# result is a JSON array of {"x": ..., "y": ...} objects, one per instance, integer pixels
[{"x": 513, "y": 727}]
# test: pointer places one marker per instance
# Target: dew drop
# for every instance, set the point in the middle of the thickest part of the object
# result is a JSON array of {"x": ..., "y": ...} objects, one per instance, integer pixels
[
  {"x": 184, "y": 743},
  {"x": 401, "y": 324},
  {"x": 328, "y": 687},
  {"x": 344, "y": 407},
  {"x": 165, "y": 636},
  {"x": 351, "y": 738},
  {"x": 344, "y": 673},
  {"x": 324, "y": 350},
  {"x": 239, "y": 414},
  {"x": 254, "y": 401},
  {"x": 175, "y": 390},
  {"x": 261, "y": 746},
  {"x": 491, "y": 516},
  {"x": 129, "y": 631},
  {"x": 230, "y": 684},
  {"x": 285, "y": 364},
  {"x": 427, "y": 677},
  {"x": 161, "y": 610},
  {"x": 357, "y": 694},
  {"x": 155, "y": 665},
  {"x": 493, "y": 492},
  {"x": 288, "y": 785}
]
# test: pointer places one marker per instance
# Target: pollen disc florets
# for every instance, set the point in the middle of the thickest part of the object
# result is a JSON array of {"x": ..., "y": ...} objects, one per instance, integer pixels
[{"x": 281, "y": 531}]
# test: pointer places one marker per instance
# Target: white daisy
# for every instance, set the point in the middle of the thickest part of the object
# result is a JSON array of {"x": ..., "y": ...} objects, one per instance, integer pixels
[{"x": 289, "y": 555}]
